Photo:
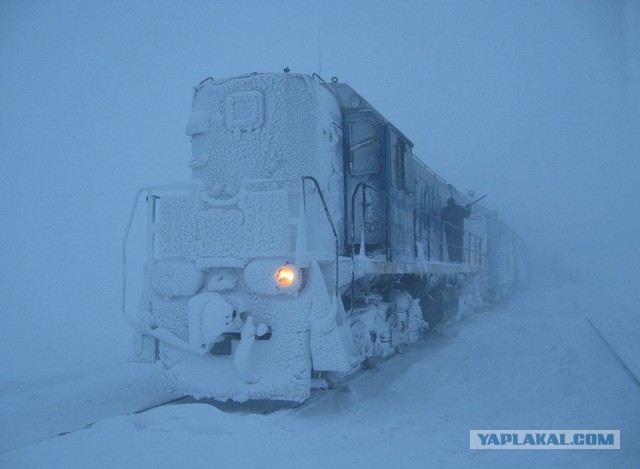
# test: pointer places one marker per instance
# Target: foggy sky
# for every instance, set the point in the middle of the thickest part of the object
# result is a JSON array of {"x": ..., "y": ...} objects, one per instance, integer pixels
[{"x": 534, "y": 103}]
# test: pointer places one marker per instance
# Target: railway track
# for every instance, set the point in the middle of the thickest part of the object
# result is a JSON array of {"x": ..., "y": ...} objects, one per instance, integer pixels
[
  {"x": 264, "y": 407},
  {"x": 615, "y": 353},
  {"x": 267, "y": 407}
]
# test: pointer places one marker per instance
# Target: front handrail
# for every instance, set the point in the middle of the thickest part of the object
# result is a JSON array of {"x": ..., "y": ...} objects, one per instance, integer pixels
[
  {"x": 150, "y": 221},
  {"x": 330, "y": 219}
]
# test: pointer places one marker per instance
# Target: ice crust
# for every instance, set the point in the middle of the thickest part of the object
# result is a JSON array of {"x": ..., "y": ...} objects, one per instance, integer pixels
[
  {"x": 176, "y": 277},
  {"x": 267, "y": 162},
  {"x": 274, "y": 146},
  {"x": 251, "y": 146},
  {"x": 297, "y": 324}
]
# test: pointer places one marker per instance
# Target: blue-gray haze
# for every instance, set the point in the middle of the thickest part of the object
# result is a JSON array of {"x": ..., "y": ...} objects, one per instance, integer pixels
[{"x": 535, "y": 103}]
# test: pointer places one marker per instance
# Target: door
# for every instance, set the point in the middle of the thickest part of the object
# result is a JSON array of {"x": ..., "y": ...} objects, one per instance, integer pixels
[
  {"x": 366, "y": 191},
  {"x": 401, "y": 199}
]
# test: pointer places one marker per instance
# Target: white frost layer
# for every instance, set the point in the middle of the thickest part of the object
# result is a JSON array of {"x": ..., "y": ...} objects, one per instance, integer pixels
[
  {"x": 176, "y": 277},
  {"x": 258, "y": 128},
  {"x": 303, "y": 330},
  {"x": 257, "y": 225}
]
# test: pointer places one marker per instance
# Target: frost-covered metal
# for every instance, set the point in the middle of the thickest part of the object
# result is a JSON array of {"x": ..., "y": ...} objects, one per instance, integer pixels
[{"x": 307, "y": 245}]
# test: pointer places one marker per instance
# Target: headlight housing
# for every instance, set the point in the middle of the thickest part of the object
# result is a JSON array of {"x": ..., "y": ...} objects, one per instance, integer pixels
[
  {"x": 288, "y": 277},
  {"x": 273, "y": 276}
]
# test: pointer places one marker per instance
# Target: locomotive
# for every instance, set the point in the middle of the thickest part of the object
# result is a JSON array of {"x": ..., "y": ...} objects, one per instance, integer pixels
[{"x": 307, "y": 245}]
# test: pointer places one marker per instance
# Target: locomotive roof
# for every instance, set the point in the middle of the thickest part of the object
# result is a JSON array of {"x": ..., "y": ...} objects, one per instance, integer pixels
[
  {"x": 352, "y": 101},
  {"x": 348, "y": 98}
]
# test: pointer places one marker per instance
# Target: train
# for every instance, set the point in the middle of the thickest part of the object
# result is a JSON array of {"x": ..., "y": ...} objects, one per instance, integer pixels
[{"x": 307, "y": 245}]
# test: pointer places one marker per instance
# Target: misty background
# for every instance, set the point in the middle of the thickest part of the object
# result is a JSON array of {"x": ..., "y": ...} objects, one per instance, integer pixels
[{"x": 536, "y": 104}]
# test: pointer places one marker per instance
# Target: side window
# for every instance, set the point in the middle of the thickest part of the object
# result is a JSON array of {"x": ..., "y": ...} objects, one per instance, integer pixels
[{"x": 365, "y": 147}]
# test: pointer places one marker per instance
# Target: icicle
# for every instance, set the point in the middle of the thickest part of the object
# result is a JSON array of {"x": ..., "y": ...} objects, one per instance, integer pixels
[
  {"x": 242, "y": 357},
  {"x": 362, "y": 252}
]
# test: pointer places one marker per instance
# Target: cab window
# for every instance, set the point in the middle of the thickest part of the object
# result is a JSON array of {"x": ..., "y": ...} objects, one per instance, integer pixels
[{"x": 364, "y": 147}]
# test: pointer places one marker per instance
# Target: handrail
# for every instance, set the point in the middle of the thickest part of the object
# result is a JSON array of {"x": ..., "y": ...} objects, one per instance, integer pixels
[
  {"x": 326, "y": 85},
  {"x": 428, "y": 168},
  {"x": 353, "y": 214},
  {"x": 184, "y": 186},
  {"x": 475, "y": 247},
  {"x": 318, "y": 77},
  {"x": 474, "y": 242},
  {"x": 333, "y": 227},
  {"x": 353, "y": 238},
  {"x": 364, "y": 187}
]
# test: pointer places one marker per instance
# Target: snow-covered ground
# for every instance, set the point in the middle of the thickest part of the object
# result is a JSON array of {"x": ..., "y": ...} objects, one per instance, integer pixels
[{"x": 534, "y": 362}]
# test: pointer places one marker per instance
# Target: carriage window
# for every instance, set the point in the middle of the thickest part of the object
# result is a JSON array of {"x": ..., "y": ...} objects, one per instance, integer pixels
[{"x": 364, "y": 150}]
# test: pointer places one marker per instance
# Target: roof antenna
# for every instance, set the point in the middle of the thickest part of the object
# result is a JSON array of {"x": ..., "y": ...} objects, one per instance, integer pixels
[{"x": 319, "y": 52}]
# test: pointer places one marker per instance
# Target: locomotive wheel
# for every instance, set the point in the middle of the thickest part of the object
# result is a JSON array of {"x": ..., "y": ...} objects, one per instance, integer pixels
[{"x": 362, "y": 339}]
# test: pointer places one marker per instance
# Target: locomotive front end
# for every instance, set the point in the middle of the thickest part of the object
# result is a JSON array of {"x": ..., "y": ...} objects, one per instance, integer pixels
[{"x": 239, "y": 299}]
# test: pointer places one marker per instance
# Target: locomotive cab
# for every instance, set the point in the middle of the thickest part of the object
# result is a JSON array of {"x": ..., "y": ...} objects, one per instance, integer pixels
[{"x": 379, "y": 181}]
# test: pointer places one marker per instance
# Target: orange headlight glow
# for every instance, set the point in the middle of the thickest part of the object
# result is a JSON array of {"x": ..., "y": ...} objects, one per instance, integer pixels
[{"x": 285, "y": 276}]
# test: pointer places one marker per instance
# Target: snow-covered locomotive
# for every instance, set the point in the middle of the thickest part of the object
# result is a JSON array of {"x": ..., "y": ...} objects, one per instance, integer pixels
[{"x": 307, "y": 243}]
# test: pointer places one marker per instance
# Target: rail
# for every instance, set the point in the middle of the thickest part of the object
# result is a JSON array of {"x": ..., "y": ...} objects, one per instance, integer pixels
[
  {"x": 428, "y": 168},
  {"x": 326, "y": 85},
  {"x": 330, "y": 220},
  {"x": 151, "y": 215},
  {"x": 364, "y": 186},
  {"x": 461, "y": 245},
  {"x": 438, "y": 237}
]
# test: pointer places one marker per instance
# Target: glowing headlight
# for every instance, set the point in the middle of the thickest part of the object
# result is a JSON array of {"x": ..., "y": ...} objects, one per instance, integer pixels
[
  {"x": 285, "y": 276},
  {"x": 273, "y": 276},
  {"x": 288, "y": 278}
]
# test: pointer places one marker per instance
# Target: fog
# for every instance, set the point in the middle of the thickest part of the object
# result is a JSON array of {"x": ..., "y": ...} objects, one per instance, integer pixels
[{"x": 534, "y": 103}]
